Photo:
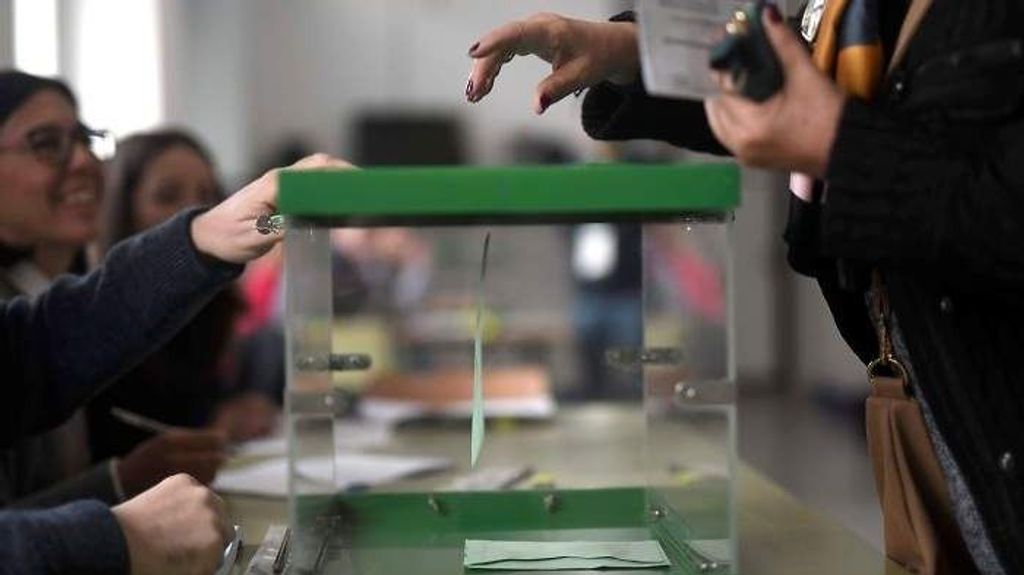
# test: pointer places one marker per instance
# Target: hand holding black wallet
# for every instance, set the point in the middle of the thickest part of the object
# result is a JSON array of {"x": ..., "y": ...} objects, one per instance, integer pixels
[{"x": 746, "y": 54}]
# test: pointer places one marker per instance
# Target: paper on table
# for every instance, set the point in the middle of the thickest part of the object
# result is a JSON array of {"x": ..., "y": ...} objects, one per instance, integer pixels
[
  {"x": 477, "y": 428},
  {"x": 270, "y": 477},
  {"x": 361, "y": 469},
  {"x": 348, "y": 436},
  {"x": 555, "y": 555},
  {"x": 361, "y": 435}
]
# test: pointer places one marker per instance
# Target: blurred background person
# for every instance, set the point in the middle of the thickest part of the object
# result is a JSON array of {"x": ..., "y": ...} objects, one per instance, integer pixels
[{"x": 193, "y": 380}]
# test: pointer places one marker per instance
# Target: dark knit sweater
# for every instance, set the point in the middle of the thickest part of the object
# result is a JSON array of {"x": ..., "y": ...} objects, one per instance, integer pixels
[
  {"x": 82, "y": 538},
  {"x": 57, "y": 350},
  {"x": 927, "y": 184}
]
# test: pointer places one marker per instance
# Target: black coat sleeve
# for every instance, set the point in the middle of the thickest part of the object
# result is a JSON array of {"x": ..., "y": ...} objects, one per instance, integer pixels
[
  {"x": 58, "y": 349},
  {"x": 613, "y": 112}
]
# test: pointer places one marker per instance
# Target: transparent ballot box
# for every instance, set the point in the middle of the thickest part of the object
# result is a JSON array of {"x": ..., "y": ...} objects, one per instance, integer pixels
[{"x": 569, "y": 328}]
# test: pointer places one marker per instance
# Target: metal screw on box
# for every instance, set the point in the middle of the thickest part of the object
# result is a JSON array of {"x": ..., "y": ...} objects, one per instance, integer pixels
[
  {"x": 685, "y": 391},
  {"x": 550, "y": 503},
  {"x": 435, "y": 505},
  {"x": 657, "y": 513},
  {"x": 703, "y": 392}
]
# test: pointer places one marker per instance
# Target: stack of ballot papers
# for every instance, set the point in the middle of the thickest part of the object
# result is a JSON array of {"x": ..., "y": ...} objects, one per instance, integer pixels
[{"x": 346, "y": 471}]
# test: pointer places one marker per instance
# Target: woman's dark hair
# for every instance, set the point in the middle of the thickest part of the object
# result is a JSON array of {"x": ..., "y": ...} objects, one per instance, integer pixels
[
  {"x": 125, "y": 172},
  {"x": 16, "y": 88}
]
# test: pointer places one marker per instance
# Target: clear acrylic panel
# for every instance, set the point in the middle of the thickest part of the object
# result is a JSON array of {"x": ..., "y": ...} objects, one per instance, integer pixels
[
  {"x": 309, "y": 396},
  {"x": 689, "y": 386}
]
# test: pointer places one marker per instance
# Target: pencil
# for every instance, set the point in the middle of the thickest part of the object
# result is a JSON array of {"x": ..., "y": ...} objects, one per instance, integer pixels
[{"x": 140, "y": 421}]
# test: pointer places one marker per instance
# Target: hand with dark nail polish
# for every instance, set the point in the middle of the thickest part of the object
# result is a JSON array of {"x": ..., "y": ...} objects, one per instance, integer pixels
[
  {"x": 581, "y": 54},
  {"x": 545, "y": 102}
]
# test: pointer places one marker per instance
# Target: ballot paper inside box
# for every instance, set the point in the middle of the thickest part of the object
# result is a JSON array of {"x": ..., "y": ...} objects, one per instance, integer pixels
[{"x": 590, "y": 342}]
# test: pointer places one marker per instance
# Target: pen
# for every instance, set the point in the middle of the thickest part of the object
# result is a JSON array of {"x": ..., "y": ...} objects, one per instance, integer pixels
[
  {"x": 140, "y": 421},
  {"x": 151, "y": 425}
]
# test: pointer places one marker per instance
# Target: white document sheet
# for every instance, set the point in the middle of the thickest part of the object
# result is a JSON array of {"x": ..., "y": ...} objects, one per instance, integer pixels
[
  {"x": 269, "y": 478},
  {"x": 675, "y": 39}
]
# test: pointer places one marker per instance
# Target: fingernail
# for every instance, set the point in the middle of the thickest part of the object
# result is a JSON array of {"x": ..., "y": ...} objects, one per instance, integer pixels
[
  {"x": 773, "y": 13},
  {"x": 469, "y": 87},
  {"x": 545, "y": 101},
  {"x": 473, "y": 48}
]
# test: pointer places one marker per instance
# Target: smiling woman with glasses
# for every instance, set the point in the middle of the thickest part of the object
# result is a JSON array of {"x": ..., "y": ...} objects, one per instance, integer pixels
[{"x": 51, "y": 175}]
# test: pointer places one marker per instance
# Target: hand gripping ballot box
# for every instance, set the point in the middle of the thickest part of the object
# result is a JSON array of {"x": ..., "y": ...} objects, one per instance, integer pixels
[{"x": 537, "y": 360}]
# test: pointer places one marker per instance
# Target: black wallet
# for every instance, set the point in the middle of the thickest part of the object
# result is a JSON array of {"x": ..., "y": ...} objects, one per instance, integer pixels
[{"x": 746, "y": 53}]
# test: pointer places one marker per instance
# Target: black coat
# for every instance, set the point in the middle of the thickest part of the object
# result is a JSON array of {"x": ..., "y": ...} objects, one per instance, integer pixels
[{"x": 927, "y": 184}]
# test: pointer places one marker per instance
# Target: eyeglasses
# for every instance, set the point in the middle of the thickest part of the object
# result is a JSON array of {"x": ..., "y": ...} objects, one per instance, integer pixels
[{"x": 54, "y": 145}]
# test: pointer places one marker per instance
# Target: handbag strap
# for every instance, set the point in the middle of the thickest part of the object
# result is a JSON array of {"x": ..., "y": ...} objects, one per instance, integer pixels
[
  {"x": 881, "y": 316},
  {"x": 911, "y": 22},
  {"x": 879, "y": 296}
]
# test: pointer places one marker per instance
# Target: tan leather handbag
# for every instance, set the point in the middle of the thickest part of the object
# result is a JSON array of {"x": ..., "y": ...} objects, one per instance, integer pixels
[{"x": 921, "y": 532}]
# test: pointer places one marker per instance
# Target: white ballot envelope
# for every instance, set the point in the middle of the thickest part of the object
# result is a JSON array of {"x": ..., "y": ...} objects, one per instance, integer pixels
[{"x": 675, "y": 39}]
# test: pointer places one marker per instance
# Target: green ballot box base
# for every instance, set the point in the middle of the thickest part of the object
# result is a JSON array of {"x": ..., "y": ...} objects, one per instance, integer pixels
[{"x": 425, "y": 533}]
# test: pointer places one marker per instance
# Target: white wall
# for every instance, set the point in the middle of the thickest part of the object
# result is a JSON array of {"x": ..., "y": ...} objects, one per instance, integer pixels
[
  {"x": 6, "y": 34},
  {"x": 261, "y": 70},
  {"x": 756, "y": 256},
  {"x": 206, "y": 75},
  {"x": 822, "y": 357}
]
